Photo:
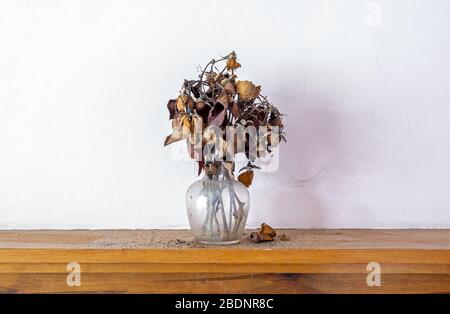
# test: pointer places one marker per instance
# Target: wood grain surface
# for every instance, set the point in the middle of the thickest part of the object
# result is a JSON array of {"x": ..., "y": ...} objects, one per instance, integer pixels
[{"x": 168, "y": 261}]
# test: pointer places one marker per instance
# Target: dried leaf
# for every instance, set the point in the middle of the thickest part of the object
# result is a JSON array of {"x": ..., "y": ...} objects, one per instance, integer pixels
[
  {"x": 181, "y": 130},
  {"x": 194, "y": 142},
  {"x": 183, "y": 102},
  {"x": 223, "y": 99},
  {"x": 247, "y": 90},
  {"x": 171, "y": 106},
  {"x": 229, "y": 88},
  {"x": 217, "y": 115},
  {"x": 204, "y": 113},
  {"x": 267, "y": 230},
  {"x": 186, "y": 125},
  {"x": 196, "y": 90},
  {"x": 201, "y": 163},
  {"x": 190, "y": 148},
  {"x": 258, "y": 237},
  {"x": 196, "y": 124},
  {"x": 172, "y": 139},
  {"x": 235, "y": 110},
  {"x": 266, "y": 233},
  {"x": 246, "y": 177}
]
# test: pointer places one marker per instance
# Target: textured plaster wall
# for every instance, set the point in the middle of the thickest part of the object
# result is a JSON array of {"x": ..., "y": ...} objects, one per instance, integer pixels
[{"x": 365, "y": 86}]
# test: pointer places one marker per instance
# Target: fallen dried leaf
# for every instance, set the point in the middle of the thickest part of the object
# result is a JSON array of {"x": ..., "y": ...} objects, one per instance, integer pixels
[
  {"x": 267, "y": 230},
  {"x": 266, "y": 233},
  {"x": 258, "y": 237}
]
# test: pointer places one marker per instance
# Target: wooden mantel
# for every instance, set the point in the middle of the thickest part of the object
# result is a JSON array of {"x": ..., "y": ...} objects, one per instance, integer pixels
[{"x": 168, "y": 261}]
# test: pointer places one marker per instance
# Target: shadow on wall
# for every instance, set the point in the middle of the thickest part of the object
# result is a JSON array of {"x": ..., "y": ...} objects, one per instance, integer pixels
[{"x": 311, "y": 154}]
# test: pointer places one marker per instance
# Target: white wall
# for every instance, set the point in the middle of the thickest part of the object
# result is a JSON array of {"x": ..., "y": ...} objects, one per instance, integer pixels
[{"x": 84, "y": 84}]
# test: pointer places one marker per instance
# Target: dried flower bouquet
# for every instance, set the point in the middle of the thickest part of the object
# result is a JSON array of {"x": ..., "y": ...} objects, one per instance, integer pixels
[{"x": 220, "y": 116}]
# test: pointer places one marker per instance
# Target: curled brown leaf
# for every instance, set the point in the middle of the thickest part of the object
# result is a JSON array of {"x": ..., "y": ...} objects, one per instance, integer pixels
[
  {"x": 223, "y": 99},
  {"x": 172, "y": 107},
  {"x": 180, "y": 130},
  {"x": 246, "y": 177}
]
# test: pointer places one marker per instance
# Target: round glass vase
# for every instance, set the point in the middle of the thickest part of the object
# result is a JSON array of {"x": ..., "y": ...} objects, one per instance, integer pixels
[{"x": 217, "y": 208}]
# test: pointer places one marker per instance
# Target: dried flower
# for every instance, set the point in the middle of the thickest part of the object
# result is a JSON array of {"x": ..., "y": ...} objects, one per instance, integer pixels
[
  {"x": 247, "y": 90},
  {"x": 232, "y": 63}
]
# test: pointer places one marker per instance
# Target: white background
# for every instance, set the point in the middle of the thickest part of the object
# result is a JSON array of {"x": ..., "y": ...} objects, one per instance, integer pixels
[{"x": 84, "y": 87}]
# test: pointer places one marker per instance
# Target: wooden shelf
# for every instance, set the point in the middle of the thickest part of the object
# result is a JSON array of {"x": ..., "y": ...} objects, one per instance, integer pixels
[{"x": 168, "y": 261}]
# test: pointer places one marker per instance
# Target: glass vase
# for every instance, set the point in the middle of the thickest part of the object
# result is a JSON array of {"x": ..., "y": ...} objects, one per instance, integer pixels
[{"x": 217, "y": 207}]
